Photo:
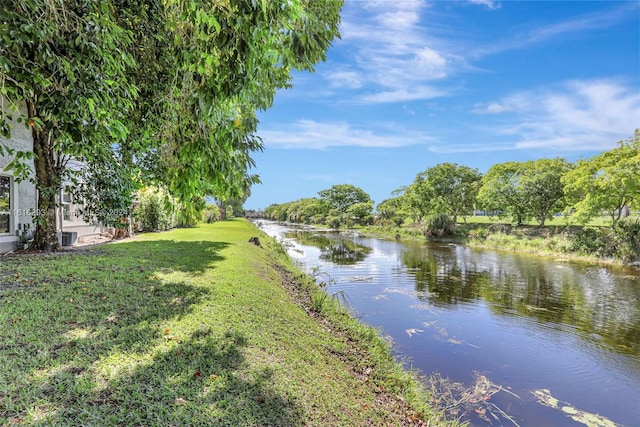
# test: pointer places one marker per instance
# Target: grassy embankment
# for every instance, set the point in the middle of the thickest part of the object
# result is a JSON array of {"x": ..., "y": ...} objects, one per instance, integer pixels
[
  {"x": 189, "y": 327},
  {"x": 556, "y": 238}
]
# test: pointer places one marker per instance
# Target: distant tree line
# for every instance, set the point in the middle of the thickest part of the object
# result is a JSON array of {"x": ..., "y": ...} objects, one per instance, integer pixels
[
  {"x": 607, "y": 184},
  {"x": 340, "y": 205},
  {"x": 518, "y": 192}
]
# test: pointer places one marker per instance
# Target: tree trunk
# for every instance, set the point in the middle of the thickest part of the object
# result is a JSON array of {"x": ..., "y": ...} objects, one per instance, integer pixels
[{"x": 48, "y": 182}]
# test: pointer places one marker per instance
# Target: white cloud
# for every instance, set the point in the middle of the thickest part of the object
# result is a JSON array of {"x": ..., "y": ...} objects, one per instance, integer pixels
[
  {"x": 393, "y": 56},
  {"x": 587, "y": 22},
  {"x": 310, "y": 134},
  {"x": 471, "y": 148},
  {"x": 579, "y": 115},
  {"x": 345, "y": 78},
  {"x": 491, "y": 108},
  {"x": 488, "y": 3},
  {"x": 397, "y": 46},
  {"x": 400, "y": 95},
  {"x": 511, "y": 103}
]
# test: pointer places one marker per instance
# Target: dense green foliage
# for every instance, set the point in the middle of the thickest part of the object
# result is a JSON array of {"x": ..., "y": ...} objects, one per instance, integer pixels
[
  {"x": 155, "y": 211},
  {"x": 168, "y": 89},
  {"x": 607, "y": 182},
  {"x": 524, "y": 190},
  {"x": 340, "y": 205},
  {"x": 211, "y": 213},
  {"x": 445, "y": 188},
  {"x": 391, "y": 211}
]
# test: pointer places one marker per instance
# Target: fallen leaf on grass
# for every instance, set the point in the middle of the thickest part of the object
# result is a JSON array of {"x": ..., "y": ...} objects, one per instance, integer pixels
[{"x": 180, "y": 401}]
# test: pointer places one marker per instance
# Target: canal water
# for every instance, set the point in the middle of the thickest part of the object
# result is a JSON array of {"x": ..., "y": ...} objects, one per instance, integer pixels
[{"x": 502, "y": 338}]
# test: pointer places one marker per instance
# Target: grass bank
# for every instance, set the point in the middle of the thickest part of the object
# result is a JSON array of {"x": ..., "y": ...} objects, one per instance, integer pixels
[
  {"x": 191, "y": 327},
  {"x": 618, "y": 245}
]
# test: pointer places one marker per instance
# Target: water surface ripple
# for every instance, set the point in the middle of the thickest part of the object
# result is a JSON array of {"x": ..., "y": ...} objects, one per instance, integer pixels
[{"x": 521, "y": 322}]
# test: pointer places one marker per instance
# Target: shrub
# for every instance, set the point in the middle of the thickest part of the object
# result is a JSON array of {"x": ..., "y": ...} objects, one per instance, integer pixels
[
  {"x": 156, "y": 210},
  {"x": 478, "y": 234},
  {"x": 627, "y": 232},
  {"x": 585, "y": 241},
  {"x": 398, "y": 220},
  {"x": 211, "y": 213},
  {"x": 333, "y": 221},
  {"x": 440, "y": 225}
]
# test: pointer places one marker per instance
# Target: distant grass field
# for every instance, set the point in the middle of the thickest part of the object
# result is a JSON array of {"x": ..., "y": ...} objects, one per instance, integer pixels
[{"x": 556, "y": 221}]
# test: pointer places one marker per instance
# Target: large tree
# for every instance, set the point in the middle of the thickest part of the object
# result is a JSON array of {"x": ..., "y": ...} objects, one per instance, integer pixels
[
  {"x": 454, "y": 188},
  {"x": 542, "y": 184},
  {"x": 502, "y": 193},
  {"x": 66, "y": 62},
  {"x": 417, "y": 197},
  {"x": 607, "y": 182},
  {"x": 178, "y": 104},
  {"x": 392, "y": 209},
  {"x": 445, "y": 188},
  {"x": 525, "y": 190},
  {"x": 342, "y": 196}
]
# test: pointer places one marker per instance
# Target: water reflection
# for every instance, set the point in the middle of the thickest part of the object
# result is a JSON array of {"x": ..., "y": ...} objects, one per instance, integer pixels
[
  {"x": 526, "y": 323},
  {"x": 594, "y": 300},
  {"x": 599, "y": 304},
  {"x": 334, "y": 247}
]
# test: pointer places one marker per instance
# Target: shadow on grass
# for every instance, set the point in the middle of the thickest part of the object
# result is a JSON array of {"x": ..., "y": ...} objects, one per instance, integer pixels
[
  {"x": 85, "y": 342},
  {"x": 170, "y": 255},
  {"x": 199, "y": 381},
  {"x": 202, "y": 380}
]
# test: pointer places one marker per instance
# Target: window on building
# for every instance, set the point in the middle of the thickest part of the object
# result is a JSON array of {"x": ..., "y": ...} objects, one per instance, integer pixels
[
  {"x": 71, "y": 208},
  {"x": 5, "y": 204},
  {"x": 66, "y": 207}
]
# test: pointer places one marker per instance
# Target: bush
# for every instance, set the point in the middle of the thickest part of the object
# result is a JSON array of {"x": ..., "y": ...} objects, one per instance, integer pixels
[
  {"x": 211, "y": 213},
  {"x": 621, "y": 241},
  {"x": 585, "y": 241},
  {"x": 627, "y": 231},
  {"x": 156, "y": 210},
  {"x": 440, "y": 225},
  {"x": 478, "y": 234},
  {"x": 333, "y": 221}
]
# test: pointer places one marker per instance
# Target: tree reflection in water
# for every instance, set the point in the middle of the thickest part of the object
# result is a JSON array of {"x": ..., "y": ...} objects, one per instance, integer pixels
[
  {"x": 589, "y": 298},
  {"x": 334, "y": 247}
]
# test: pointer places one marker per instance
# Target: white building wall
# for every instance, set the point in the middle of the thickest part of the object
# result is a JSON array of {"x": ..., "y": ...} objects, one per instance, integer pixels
[{"x": 23, "y": 194}]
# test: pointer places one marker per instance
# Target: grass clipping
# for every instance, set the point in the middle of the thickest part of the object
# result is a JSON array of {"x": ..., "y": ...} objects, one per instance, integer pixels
[{"x": 458, "y": 401}]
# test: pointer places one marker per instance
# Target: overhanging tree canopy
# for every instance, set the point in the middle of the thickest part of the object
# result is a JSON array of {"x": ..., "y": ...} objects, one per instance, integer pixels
[{"x": 178, "y": 103}]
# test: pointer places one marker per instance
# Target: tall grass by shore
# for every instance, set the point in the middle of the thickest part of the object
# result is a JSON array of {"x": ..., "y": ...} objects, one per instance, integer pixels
[{"x": 619, "y": 244}]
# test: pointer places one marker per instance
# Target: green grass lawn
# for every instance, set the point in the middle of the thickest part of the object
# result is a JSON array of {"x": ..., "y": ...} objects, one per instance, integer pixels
[
  {"x": 188, "y": 327},
  {"x": 558, "y": 221}
]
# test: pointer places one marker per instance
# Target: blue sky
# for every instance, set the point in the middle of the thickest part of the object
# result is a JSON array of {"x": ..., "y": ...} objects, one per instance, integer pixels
[{"x": 415, "y": 83}]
